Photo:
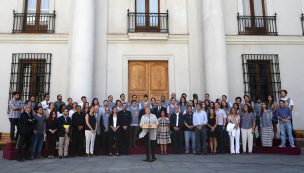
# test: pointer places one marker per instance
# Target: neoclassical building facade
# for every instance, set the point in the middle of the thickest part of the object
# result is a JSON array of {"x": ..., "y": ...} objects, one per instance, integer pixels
[{"x": 155, "y": 47}]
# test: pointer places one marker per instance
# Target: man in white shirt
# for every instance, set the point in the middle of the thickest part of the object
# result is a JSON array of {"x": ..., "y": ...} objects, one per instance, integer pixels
[
  {"x": 221, "y": 117},
  {"x": 45, "y": 102},
  {"x": 177, "y": 124},
  {"x": 200, "y": 122},
  {"x": 289, "y": 103},
  {"x": 287, "y": 100}
]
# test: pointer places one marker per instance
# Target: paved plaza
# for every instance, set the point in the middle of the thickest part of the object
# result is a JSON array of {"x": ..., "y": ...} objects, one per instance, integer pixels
[{"x": 165, "y": 164}]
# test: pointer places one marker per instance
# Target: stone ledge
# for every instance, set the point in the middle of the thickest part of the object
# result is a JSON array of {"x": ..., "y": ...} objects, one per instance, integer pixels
[{"x": 148, "y": 36}]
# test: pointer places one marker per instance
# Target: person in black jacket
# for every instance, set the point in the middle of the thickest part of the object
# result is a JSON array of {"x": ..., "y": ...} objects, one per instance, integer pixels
[
  {"x": 126, "y": 119},
  {"x": 114, "y": 131},
  {"x": 64, "y": 131},
  {"x": 78, "y": 132},
  {"x": 156, "y": 110},
  {"x": 26, "y": 132},
  {"x": 177, "y": 124},
  {"x": 104, "y": 130}
]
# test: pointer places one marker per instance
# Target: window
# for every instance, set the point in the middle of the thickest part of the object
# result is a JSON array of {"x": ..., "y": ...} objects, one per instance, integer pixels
[
  {"x": 147, "y": 14},
  {"x": 254, "y": 21},
  {"x": 254, "y": 7},
  {"x": 261, "y": 75},
  {"x": 37, "y": 17},
  {"x": 37, "y": 6},
  {"x": 30, "y": 75},
  {"x": 147, "y": 17}
]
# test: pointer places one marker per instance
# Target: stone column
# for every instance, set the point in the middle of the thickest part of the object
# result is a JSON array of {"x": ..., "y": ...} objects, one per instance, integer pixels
[
  {"x": 82, "y": 49},
  {"x": 214, "y": 44}
]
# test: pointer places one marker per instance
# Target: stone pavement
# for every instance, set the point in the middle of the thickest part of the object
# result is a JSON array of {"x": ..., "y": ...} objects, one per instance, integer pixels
[{"x": 165, "y": 164}]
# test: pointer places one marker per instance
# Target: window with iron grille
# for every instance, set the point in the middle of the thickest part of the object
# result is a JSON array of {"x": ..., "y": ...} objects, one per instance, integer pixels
[
  {"x": 261, "y": 75},
  {"x": 30, "y": 75}
]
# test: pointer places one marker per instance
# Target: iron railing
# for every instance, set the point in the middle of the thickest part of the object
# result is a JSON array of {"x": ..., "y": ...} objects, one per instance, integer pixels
[
  {"x": 261, "y": 75},
  {"x": 148, "y": 22},
  {"x": 34, "y": 22},
  {"x": 257, "y": 25}
]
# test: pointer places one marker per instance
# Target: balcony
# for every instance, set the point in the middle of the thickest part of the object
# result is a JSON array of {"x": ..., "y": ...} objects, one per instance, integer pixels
[
  {"x": 257, "y": 25},
  {"x": 34, "y": 23},
  {"x": 148, "y": 22},
  {"x": 302, "y": 19}
]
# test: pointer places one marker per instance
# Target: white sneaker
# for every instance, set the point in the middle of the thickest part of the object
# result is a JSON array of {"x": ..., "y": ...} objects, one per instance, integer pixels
[
  {"x": 281, "y": 146},
  {"x": 292, "y": 146}
]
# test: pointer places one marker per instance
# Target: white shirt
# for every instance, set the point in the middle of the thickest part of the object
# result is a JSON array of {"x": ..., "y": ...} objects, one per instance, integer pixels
[
  {"x": 177, "y": 118},
  {"x": 45, "y": 104},
  {"x": 220, "y": 116},
  {"x": 285, "y": 99},
  {"x": 71, "y": 112},
  {"x": 59, "y": 114},
  {"x": 114, "y": 122},
  {"x": 81, "y": 105},
  {"x": 200, "y": 118}
]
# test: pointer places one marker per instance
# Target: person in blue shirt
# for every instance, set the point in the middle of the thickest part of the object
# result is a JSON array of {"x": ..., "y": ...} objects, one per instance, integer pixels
[{"x": 284, "y": 116}]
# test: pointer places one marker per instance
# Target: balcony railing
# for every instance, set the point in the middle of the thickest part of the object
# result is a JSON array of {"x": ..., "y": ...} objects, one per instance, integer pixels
[
  {"x": 34, "y": 22},
  {"x": 257, "y": 25},
  {"x": 302, "y": 19},
  {"x": 148, "y": 22}
]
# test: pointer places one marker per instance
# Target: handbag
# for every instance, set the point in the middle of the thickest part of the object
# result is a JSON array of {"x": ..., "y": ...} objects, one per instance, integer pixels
[{"x": 230, "y": 127}]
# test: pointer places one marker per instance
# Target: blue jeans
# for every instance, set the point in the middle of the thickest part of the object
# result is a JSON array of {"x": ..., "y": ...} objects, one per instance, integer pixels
[
  {"x": 37, "y": 144},
  {"x": 283, "y": 127},
  {"x": 190, "y": 135}
]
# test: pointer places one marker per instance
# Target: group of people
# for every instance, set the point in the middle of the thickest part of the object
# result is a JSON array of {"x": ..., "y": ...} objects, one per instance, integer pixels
[{"x": 201, "y": 126}]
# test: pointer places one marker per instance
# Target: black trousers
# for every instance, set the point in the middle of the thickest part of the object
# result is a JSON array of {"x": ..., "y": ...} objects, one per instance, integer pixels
[
  {"x": 77, "y": 144},
  {"x": 220, "y": 138},
  {"x": 51, "y": 143},
  {"x": 97, "y": 145},
  {"x": 24, "y": 146},
  {"x": 125, "y": 139},
  {"x": 152, "y": 147},
  {"x": 105, "y": 142},
  {"x": 177, "y": 139},
  {"x": 114, "y": 141},
  {"x": 14, "y": 124}
]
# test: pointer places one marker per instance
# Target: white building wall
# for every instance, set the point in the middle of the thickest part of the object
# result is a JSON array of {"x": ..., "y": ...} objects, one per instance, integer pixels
[
  {"x": 183, "y": 48},
  {"x": 290, "y": 52},
  {"x": 57, "y": 46}
]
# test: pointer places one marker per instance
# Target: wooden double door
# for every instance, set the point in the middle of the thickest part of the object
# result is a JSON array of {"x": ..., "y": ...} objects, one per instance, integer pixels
[{"x": 148, "y": 78}]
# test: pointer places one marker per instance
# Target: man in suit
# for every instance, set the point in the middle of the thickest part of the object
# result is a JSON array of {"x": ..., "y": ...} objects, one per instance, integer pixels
[
  {"x": 177, "y": 124},
  {"x": 26, "y": 132},
  {"x": 156, "y": 110},
  {"x": 78, "y": 124},
  {"x": 64, "y": 130},
  {"x": 100, "y": 130},
  {"x": 126, "y": 118}
]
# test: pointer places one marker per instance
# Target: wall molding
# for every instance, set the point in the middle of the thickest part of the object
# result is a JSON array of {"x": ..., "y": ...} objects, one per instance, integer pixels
[
  {"x": 264, "y": 40},
  {"x": 34, "y": 38}
]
